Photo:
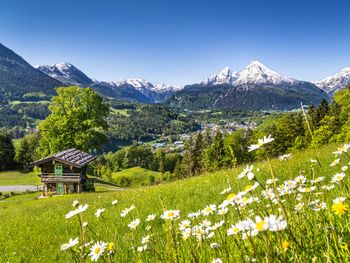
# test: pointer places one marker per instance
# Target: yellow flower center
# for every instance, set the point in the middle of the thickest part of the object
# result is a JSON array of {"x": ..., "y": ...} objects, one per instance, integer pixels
[
  {"x": 170, "y": 214},
  {"x": 235, "y": 229},
  {"x": 97, "y": 250},
  {"x": 248, "y": 187},
  {"x": 260, "y": 225},
  {"x": 208, "y": 209},
  {"x": 230, "y": 196}
]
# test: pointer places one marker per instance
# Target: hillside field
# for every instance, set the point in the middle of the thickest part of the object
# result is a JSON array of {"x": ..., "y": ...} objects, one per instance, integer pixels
[
  {"x": 34, "y": 230},
  {"x": 19, "y": 178}
]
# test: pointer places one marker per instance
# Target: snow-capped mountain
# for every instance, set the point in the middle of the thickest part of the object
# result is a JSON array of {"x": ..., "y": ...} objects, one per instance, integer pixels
[
  {"x": 225, "y": 76},
  {"x": 254, "y": 88},
  {"x": 130, "y": 89},
  {"x": 335, "y": 82},
  {"x": 254, "y": 73},
  {"x": 142, "y": 84},
  {"x": 155, "y": 92},
  {"x": 66, "y": 73},
  {"x": 258, "y": 73}
]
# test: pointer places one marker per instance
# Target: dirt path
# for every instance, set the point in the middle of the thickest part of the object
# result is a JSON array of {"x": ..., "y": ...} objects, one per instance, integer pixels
[{"x": 19, "y": 188}]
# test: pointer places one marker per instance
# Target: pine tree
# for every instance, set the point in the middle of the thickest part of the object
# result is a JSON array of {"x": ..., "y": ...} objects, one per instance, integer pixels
[
  {"x": 7, "y": 151},
  {"x": 196, "y": 153},
  {"x": 216, "y": 152}
]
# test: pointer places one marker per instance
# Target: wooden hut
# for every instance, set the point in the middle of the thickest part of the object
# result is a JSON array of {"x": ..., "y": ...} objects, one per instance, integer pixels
[{"x": 65, "y": 172}]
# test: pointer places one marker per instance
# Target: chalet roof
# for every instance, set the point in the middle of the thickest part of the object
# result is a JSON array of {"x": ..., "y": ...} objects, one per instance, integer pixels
[{"x": 74, "y": 157}]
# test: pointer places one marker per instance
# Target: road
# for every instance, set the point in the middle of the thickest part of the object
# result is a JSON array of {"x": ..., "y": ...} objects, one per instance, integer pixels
[{"x": 19, "y": 188}]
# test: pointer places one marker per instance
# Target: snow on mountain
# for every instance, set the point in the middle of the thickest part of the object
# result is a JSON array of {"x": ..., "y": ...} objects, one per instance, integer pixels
[
  {"x": 335, "y": 82},
  {"x": 65, "y": 72},
  {"x": 142, "y": 85},
  {"x": 257, "y": 73},
  {"x": 254, "y": 73},
  {"x": 225, "y": 76}
]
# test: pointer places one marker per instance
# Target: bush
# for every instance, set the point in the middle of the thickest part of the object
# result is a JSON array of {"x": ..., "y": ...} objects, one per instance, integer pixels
[
  {"x": 123, "y": 181},
  {"x": 89, "y": 186},
  {"x": 151, "y": 179}
]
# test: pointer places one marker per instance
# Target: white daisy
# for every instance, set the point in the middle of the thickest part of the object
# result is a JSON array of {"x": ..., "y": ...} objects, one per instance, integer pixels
[
  {"x": 133, "y": 224},
  {"x": 99, "y": 212},
  {"x": 71, "y": 243},
  {"x": 97, "y": 250}
]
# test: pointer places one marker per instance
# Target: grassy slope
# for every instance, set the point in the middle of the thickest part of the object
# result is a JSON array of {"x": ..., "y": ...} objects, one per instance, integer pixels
[
  {"x": 34, "y": 230},
  {"x": 138, "y": 176},
  {"x": 18, "y": 178}
]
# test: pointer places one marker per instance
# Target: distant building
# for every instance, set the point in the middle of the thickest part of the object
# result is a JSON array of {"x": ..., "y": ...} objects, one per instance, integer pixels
[
  {"x": 179, "y": 144},
  {"x": 64, "y": 172},
  {"x": 158, "y": 145}
]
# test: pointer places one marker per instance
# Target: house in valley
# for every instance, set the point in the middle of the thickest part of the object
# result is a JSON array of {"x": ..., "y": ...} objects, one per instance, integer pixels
[{"x": 65, "y": 172}]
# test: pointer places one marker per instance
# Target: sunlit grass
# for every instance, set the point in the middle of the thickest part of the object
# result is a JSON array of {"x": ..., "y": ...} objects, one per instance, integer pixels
[
  {"x": 311, "y": 235},
  {"x": 19, "y": 178}
]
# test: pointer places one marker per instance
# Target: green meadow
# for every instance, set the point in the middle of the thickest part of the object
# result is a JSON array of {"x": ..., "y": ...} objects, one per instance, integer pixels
[
  {"x": 33, "y": 230},
  {"x": 19, "y": 178}
]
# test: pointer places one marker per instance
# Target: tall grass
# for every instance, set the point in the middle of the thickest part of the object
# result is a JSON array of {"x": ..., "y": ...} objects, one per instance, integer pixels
[{"x": 307, "y": 231}]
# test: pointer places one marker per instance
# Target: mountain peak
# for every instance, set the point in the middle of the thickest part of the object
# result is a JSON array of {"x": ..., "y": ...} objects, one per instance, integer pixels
[
  {"x": 347, "y": 69},
  {"x": 66, "y": 73},
  {"x": 258, "y": 73},
  {"x": 335, "y": 82},
  {"x": 225, "y": 76}
]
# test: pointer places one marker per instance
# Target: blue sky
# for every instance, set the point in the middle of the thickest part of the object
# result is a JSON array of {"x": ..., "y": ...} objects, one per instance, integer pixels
[{"x": 179, "y": 41}]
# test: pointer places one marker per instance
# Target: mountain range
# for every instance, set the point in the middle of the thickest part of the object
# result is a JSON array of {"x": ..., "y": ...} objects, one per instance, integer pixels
[
  {"x": 255, "y": 87},
  {"x": 18, "y": 78}
]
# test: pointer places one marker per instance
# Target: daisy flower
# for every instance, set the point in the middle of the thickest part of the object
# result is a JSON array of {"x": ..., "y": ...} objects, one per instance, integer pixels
[
  {"x": 335, "y": 162},
  {"x": 307, "y": 189},
  {"x": 299, "y": 206},
  {"x": 71, "y": 243},
  {"x": 209, "y": 209},
  {"x": 260, "y": 143},
  {"x": 151, "y": 217},
  {"x": 261, "y": 224},
  {"x": 142, "y": 248},
  {"x": 234, "y": 229},
  {"x": 145, "y": 239},
  {"x": 171, "y": 214},
  {"x": 127, "y": 211},
  {"x": 133, "y": 224},
  {"x": 247, "y": 172},
  {"x": 75, "y": 203},
  {"x": 276, "y": 223},
  {"x": 285, "y": 157},
  {"x": 225, "y": 191},
  {"x": 186, "y": 233},
  {"x": 250, "y": 188},
  {"x": 80, "y": 209},
  {"x": 99, "y": 212},
  {"x": 97, "y": 250},
  {"x": 194, "y": 214},
  {"x": 338, "y": 177},
  {"x": 342, "y": 149},
  {"x": 223, "y": 211},
  {"x": 184, "y": 224},
  {"x": 114, "y": 202},
  {"x": 216, "y": 260},
  {"x": 214, "y": 245}
]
